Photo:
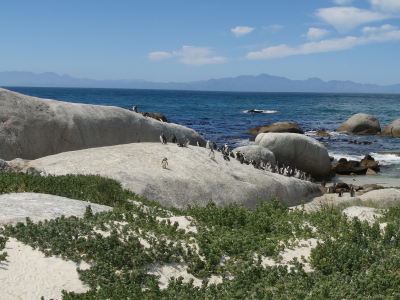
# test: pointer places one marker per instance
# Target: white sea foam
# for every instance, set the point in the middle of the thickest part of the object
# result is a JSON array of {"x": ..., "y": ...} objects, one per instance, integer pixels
[
  {"x": 261, "y": 111},
  {"x": 384, "y": 159}
]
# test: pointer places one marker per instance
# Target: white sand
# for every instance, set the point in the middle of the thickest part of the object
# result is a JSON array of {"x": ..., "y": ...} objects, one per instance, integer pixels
[{"x": 28, "y": 274}]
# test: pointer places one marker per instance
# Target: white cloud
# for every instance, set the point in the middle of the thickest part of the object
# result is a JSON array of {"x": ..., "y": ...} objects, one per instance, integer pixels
[
  {"x": 347, "y": 18},
  {"x": 315, "y": 34},
  {"x": 386, "y": 27},
  {"x": 386, "y": 5},
  {"x": 241, "y": 30},
  {"x": 273, "y": 28},
  {"x": 343, "y": 2},
  {"x": 190, "y": 55},
  {"x": 377, "y": 36}
]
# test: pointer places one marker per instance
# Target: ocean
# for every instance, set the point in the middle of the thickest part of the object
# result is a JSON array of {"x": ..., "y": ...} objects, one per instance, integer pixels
[{"x": 222, "y": 116}]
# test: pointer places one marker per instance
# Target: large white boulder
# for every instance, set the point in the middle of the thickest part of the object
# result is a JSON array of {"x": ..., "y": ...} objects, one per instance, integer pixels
[
  {"x": 392, "y": 130},
  {"x": 31, "y": 127},
  {"x": 384, "y": 197},
  {"x": 297, "y": 150},
  {"x": 190, "y": 175},
  {"x": 256, "y": 153},
  {"x": 360, "y": 122}
]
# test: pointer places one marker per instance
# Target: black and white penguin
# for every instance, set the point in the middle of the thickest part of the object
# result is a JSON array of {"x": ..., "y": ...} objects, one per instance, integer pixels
[
  {"x": 242, "y": 159},
  {"x": 323, "y": 183},
  {"x": 164, "y": 163},
  {"x": 226, "y": 157},
  {"x": 163, "y": 139},
  {"x": 341, "y": 192},
  {"x": 135, "y": 109},
  {"x": 186, "y": 143},
  {"x": 174, "y": 139},
  {"x": 211, "y": 154},
  {"x": 231, "y": 154},
  {"x": 208, "y": 145},
  {"x": 226, "y": 148},
  {"x": 352, "y": 191},
  {"x": 198, "y": 144},
  {"x": 214, "y": 146}
]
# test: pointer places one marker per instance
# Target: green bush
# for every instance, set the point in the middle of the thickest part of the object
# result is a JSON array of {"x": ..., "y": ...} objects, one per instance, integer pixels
[{"x": 353, "y": 260}]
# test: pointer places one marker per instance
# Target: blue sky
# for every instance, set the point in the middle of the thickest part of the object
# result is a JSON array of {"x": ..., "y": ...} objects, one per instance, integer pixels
[{"x": 182, "y": 41}]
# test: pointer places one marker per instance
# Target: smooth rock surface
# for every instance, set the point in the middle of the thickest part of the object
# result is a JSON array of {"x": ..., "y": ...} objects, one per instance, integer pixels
[
  {"x": 16, "y": 207},
  {"x": 256, "y": 153},
  {"x": 298, "y": 150},
  {"x": 276, "y": 127},
  {"x": 359, "y": 123},
  {"x": 392, "y": 130},
  {"x": 31, "y": 127},
  {"x": 190, "y": 175},
  {"x": 384, "y": 197}
]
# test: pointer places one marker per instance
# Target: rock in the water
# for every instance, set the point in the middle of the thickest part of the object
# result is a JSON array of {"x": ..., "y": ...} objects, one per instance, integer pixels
[
  {"x": 392, "y": 130},
  {"x": 299, "y": 151},
  {"x": 190, "y": 175},
  {"x": 276, "y": 127},
  {"x": 384, "y": 197},
  {"x": 359, "y": 123},
  {"x": 322, "y": 133},
  {"x": 32, "y": 127},
  {"x": 256, "y": 153},
  {"x": 368, "y": 132},
  {"x": 371, "y": 172}
]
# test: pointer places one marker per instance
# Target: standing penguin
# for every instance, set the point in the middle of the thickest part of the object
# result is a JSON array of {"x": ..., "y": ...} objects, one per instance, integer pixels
[
  {"x": 211, "y": 154},
  {"x": 186, "y": 143},
  {"x": 164, "y": 163},
  {"x": 208, "y": 145},
  {"x": 135, "y": 108},
  {"x": 198, "y": 144},
  {"x": 352, "y": 191},
  {"x": 341, "y": 192},
  {"x": 174, "y": 139},
  {"x": 163, "y": 139}
]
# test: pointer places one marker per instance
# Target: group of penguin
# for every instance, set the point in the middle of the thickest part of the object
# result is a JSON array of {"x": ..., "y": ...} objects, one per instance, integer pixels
[
  {"x": 239, "y": 156},
  {"x": 332, "y": 189}
]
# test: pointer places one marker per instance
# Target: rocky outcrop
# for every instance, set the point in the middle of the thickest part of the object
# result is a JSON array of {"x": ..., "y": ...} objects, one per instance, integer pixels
[
  {"x": 18, "y": 165},
  {"x": 256, "y": 153},
  {"x": 299, "y": 151},
  {"x": 360, "y": 122},
  {"x": 345, "y": 167},
  {"x": 190, "y": 175},
  {"x": 276, "y": 127},
  {"x": 31, "y": 127},
  {"x": 392, "y": 130},
  {"x": 322, "y": 133},
  {"x": 384, "y": 197}
]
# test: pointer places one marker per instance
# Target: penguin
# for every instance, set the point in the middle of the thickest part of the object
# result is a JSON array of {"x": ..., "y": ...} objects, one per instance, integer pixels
[
  {"x": 242, "y": 159},
  {"x": 208, "y": 144},
  {"x": 212, "y": 154},
  {"x": 226, "y": 148},
  {"x": 231, "y": 154},
  {"x": 198, "y": 144},
  {"x": 214, "y": 146},
  {"x": 226, "y": 157},
  {"x": 186, "y": 143},
  {"x": 352, "y": 191},
  {"x": 174, "y": 139},
  {"x": 341, "y": 193},
  {"x": 164, "y": 163},
  {"x": 323, "y": 182},
  {"x": 135, "y": 109},
  {"x": 180, "y": 145},
  {"x": 163, "y": 139}
]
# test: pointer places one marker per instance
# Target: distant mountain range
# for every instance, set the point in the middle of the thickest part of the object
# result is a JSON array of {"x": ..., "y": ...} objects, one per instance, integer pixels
[{"x": 245, "y": 83}]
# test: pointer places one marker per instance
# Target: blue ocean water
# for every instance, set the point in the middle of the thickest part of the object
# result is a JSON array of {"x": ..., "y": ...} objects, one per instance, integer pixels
[{"x": 222, "y": 117}]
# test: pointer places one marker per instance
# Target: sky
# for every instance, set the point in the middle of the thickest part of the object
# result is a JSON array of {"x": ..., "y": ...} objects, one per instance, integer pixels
[{"x": 180, "y": 40}]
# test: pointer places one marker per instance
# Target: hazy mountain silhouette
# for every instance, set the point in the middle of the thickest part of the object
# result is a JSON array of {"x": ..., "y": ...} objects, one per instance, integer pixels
[{"x": 245, "y": 83}]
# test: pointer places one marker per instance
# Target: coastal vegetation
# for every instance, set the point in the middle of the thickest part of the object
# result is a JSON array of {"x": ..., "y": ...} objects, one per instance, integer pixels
[{"x": 352, "y": 259}]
